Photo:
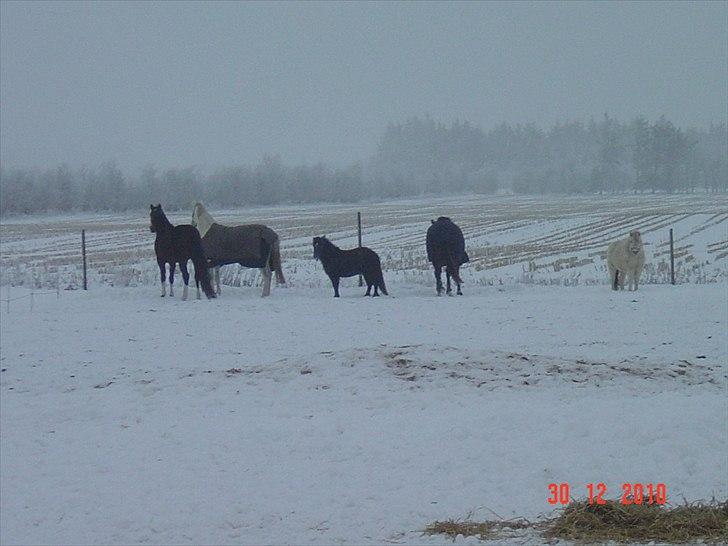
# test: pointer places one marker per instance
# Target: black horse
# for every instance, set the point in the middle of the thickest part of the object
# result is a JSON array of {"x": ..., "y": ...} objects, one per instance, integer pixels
[
  {"x": 175, "y": 245},
  {"x": 347, "y": 263},
  {"x": 446, "y": 247}
]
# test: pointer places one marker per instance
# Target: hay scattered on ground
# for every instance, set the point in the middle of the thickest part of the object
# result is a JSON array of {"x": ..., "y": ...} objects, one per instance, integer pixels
[
  {"x": 452, "y": 528},
  {"x": 468, "y": 528},
  {"x": 587, "y": 523},
  {"x": 582, "y": 521}
]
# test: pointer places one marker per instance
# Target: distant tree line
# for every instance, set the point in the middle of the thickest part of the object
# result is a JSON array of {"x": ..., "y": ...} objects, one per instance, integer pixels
[{"x": 416, "y": 157}]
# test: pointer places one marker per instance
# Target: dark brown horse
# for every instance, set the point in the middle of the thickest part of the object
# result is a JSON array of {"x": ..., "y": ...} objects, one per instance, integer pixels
[
  {"x": 347, "y": 263},
  {"x": 446, "y": 248},
  {"x": 176, "y": 245}
]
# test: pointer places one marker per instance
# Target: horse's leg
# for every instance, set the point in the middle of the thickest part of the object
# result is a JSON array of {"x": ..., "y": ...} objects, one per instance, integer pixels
[
  {"x": 631, "y": 285},
  {"x": 368, "y": 280},
  {"x": 335, "y": 282},
  {"x": 636, "y": 276},
  {"x": 456, "y": 276},
  {"x": 447, "y": 278},
  {"x": 216, "y": 275},
  {"x": 171, "y": 278},
  {"x": 613, "y": 272},
  {"x": 438, "y": 278},
  {"x": 267, "y": 275},
  {"x": 163, "y": 276},
  {"x": 185, "y": 278}
]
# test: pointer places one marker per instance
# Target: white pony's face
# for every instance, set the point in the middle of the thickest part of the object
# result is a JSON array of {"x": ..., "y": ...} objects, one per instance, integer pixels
[
  {"x": 195, "y": 215},
  {"x": 635, "y": 242}
]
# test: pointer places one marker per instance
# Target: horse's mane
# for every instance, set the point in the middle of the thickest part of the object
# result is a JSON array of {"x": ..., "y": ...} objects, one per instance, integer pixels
[
  {"x": 160, "y": 218},
  {"x": 326, "y": 242}
]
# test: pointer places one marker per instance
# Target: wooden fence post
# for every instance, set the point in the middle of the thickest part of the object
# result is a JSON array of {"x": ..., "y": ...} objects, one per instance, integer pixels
[
  {"x": 358, "y": 223},
  {"x": 672, "y": 259},
  {"x": 83, "y": 252}
]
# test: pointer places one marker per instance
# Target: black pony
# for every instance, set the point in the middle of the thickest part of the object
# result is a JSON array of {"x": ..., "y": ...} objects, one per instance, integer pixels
[
  {"x": 177, "y": 244},
  {"x": 446, "y": 247},
  {"x": 347, "y": 263}
]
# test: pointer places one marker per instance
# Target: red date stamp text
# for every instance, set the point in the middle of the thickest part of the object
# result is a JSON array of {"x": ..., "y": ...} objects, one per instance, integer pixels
[{"x": 632, "y": 493}]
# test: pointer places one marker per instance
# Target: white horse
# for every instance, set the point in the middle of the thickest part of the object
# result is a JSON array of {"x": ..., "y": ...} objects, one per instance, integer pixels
[
  {"x": 250, "y": 245},
  {"x": 626, "y": 257}
]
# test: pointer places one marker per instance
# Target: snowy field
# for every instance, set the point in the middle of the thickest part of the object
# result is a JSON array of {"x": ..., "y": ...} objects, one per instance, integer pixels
[
  {"x": 126, "y": 418},
  {"x": 511, "y": 240}
]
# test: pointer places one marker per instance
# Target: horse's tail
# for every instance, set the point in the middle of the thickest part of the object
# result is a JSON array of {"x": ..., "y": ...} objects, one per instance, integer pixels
[
  {"x": 381, "y": 284},
  {"x": 275, "y": 262},
  {"x": 615, "y": 281},
  {"x": 202, "y": 272},
  {"x": 378, "y": 275},
  {"x": 453, "y": 266}
]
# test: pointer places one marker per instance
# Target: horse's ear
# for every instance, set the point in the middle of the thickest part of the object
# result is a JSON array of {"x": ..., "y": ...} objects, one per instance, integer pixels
[
  {"x": 159, "y": 205},
  {"x": 432, "y": 221}
]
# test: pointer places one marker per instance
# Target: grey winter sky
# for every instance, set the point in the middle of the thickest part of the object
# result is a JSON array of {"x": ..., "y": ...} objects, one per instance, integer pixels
[{"x": 213, "y": 84}]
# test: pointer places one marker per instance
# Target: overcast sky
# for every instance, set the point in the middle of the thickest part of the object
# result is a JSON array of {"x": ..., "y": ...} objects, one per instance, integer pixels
[{"x": 214, "y": 84}]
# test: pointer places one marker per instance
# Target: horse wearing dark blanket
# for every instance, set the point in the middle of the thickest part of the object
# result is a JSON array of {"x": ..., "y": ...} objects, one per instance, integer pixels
[
  {"x": 250, "y": 245},
  {"x": 446, "y": 248}
]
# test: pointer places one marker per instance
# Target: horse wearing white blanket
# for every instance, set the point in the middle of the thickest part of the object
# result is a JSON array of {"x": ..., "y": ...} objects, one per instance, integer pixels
[{"x": 626, "y": 257}]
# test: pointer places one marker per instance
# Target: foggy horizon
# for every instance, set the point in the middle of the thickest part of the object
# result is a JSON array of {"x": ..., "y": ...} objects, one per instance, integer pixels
[{"x": 209, "y": 85}]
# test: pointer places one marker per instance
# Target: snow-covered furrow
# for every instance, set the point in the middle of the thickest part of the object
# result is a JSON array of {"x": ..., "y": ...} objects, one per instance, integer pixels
[{"x": 562, "y": 240}]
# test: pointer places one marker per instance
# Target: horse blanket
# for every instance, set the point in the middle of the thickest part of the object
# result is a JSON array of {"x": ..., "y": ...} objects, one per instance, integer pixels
[
  {"x": 249, "y": 245},
  {"x": 443, "y": 233}
]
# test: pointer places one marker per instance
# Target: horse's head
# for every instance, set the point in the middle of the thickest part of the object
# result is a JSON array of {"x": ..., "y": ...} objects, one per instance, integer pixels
[
  {"x": 155, "y": 216},
  {"x": 195, "y": 213},
  {"x": 635, "y": 241},
  {"x": 318, "y": 245}
]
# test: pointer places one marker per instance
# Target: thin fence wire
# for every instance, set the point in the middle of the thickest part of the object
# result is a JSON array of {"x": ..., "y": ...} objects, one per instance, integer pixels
[{"x": 31, "y": 295}]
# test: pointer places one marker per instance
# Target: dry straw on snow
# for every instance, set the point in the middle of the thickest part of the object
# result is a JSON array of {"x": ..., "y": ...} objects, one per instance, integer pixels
[
  {"x": 591, "y": 523},
  {"x": 483, "y": 530},
  {"x": 641, "y": 523}
]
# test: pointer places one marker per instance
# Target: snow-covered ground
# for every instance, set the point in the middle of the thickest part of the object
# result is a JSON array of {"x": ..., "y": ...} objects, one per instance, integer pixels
[
  {"x": 128, "y": 418},
  {"x": 549, "y": 240}
]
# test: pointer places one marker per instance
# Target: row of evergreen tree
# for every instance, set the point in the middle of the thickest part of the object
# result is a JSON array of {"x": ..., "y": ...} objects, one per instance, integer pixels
[{"x": 417, "y": 157}]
